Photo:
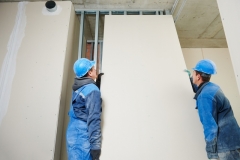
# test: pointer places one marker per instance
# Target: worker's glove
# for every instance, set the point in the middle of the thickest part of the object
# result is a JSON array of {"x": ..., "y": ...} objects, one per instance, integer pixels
[
  {"x": 188, "y": 72},
  {"x": 100, "y": 75},
  {"x": 95, "y": 154},
  {"x": 98, "y": 81}
]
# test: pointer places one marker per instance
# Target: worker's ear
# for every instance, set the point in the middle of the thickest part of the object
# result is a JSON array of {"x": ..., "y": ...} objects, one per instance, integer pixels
[
  {"x": 90, "y": 72},
  {"x": 199, "y": 77}
]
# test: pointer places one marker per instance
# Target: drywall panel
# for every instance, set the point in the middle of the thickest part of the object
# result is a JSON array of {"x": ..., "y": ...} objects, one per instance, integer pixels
[
  {"x": 148, "y": 106},
  {"x": 225, "y": 76},
  {"x": 192, "y": 56},
  {"x": 73, "y": 44},
  {"x": 6, "y": 25},
  {"x": 39, "y": 50},
  {"x": 230, "y": 14},
  {"x": 68, "y": 77}
]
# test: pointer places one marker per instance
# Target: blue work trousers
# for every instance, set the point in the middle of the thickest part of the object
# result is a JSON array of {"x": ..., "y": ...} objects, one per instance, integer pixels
[{"x": 78, "y": 146}]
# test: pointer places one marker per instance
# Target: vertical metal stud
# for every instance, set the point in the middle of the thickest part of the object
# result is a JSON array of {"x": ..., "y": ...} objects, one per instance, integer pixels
[
  {"x": 167, "y": 12},
  {"x": 100, "y": 58},
  {"x": 161, "y": 12},
  {"x": 157, "y": 13},
  {"x": 91, "y": 51},
  {"x": 110, "y": 12},
  {"x": 81, "y": 35},
  {"x": 96, "y": 38}
]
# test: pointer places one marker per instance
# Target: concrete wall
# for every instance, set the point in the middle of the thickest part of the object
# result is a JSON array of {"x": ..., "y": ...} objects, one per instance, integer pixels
[
  {"x": 37, "y": 50},
  {"x": 225, "y": 77}
]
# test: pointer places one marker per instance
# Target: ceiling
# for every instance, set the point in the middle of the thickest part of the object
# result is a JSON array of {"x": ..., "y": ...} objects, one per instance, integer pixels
[{"x": 198, "y": 24}]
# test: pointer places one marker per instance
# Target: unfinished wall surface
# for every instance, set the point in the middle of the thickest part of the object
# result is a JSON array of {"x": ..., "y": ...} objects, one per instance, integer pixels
[
  {"x": 230, "y": 14},
  {"x": 35, "y": 58},
  {"x": 225, "y": 77},
  {"x": 72, "y": 55},
  {"x": 74, "y": 51},
  {"x": 148, "y": 106}
]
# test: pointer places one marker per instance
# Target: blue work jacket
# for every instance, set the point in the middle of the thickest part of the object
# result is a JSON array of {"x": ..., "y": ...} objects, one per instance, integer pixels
[
  {"x": 221, "y": 130},
  {"x": 86, "y": 107}
]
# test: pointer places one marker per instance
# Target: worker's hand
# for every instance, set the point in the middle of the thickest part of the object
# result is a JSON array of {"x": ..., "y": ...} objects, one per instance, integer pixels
[
  {"x": 98, "y": 81},
  {"x": 99, "y": 75},
  {"x": 188, "y": 72},
  {"x": 95, "y": 154}
]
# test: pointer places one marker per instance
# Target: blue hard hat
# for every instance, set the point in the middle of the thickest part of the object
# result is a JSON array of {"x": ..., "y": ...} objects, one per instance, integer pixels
[
  {"x": 82, "y": 66},
  {"x": 206, "y": 66}
]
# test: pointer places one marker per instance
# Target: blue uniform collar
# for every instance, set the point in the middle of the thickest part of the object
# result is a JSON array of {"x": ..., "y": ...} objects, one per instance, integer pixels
[{"x": 201, "y": 86}]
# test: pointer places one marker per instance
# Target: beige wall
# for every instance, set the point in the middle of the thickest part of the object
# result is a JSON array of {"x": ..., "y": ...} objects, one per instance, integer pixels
[
  {"x": 42, "y": 48},
  {"x": 225, "y": 77}
]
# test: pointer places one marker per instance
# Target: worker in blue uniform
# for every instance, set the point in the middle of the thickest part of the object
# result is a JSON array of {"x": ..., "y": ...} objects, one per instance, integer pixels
[
  {"x": 84, "y": 129},
  {"x": 221, "y": 130}
]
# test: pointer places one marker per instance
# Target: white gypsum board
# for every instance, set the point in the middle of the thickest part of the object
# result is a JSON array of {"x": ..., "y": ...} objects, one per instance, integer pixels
[
  {"x": 148, "y": 106},
  {"x": 40, "y": 54}
]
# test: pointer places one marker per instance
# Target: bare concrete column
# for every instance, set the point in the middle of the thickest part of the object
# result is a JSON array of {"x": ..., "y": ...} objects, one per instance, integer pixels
[{"x": 230, "y": 13}]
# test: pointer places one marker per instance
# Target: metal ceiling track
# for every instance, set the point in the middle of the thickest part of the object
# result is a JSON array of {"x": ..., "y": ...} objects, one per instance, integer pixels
[
  {"x": 83, "y": 12},
  {"x": 124, "y": 12}
]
